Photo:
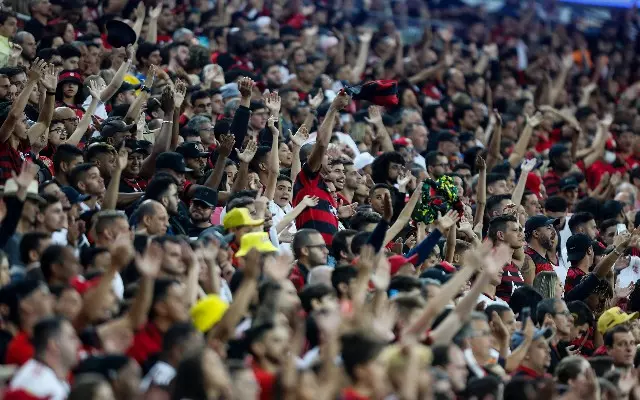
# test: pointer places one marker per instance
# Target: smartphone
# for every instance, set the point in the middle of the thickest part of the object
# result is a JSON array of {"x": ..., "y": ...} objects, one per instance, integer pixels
[
  {"x": 526, "y": 313},
  {"x": 620, "y": 228}
]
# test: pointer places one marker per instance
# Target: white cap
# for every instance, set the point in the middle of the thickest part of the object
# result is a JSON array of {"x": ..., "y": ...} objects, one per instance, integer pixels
[{"x": 362, "y": 160}]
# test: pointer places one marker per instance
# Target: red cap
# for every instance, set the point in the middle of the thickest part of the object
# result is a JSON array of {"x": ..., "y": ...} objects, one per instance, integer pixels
[
  {"x": 70, "y": 76},
  {"x": 397, "y": 261},
  {"x": 402, "y": 141},
  {"x": 82, "y": 285}
]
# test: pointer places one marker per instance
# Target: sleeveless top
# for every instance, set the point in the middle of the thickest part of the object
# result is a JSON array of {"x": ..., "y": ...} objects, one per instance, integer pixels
[{"x": 541, "y": 263}]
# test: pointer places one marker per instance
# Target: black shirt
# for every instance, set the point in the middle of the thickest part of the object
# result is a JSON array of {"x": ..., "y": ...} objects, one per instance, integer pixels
[{"x": 34, "y": 27}]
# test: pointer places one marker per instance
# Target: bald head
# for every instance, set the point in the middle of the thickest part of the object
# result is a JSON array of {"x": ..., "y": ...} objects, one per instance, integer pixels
[
  {"x": 152, "y": 217},
  {"x": 68, "y": 117}
]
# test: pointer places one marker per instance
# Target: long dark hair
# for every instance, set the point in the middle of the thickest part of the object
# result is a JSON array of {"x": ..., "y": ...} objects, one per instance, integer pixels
[{"x": 189, "y": 380}]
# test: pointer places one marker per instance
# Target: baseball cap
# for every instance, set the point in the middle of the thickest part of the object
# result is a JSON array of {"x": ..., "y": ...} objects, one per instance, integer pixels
[
  {"x": 106, "y": 365},
  {"x": 114, "y": 125},
  {"x": 191, "y": 150},
  {"x": 173, "y": 161},
  {"x": 537, "y": 221},
  {"x": 577, "y": 246},
  {"x": 11, "y": 189},
  {"x": 398, "y": 260},
  {"x": 207, "y": 312},
  {"x": 614, "y": 317},
  {"x": 255, "y": 240},
  {"x": 447, "y": 136},
  {"x": 435, "y": 273},
  {"x": 240, "y": 217},
  {"x": 73, "y": 195},
  {"x": 126, "y": 86},
  {"x": 72, "y": 76},
  {"x": 229, "y": 90},
  {"x": 518, "y": 337},
  {"x": 362, "y": 160},
  {"x": 568, "y": 182},
  {"x": 206, "y": 195}
]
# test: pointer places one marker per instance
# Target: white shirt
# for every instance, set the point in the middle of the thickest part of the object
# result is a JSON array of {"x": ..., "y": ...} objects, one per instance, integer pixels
[
  {"x": 40, "y": 381},
  {"x": 101, "y": 110},
  {"x": 160, "y": 374},
  {"x": 563, "y": 268},
  {"x": 483, "y": 298},
  {"x": 629, "y": 274}
]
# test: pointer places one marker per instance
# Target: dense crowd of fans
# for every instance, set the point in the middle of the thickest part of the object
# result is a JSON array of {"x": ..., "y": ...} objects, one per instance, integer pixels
[{"x": 346, "y": 200}]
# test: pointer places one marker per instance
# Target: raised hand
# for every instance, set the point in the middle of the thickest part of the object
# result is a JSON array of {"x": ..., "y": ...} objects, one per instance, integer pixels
[
  {"x": 567, "y": 61},
  {"x": 310, "y": 201},
  {"x": 534, "y": 120},
  {"x": 481, "y": 164},
  {"x": 271, "y": 123},
  {"x": 607, "y": 121},
  {"x": 446, "y": 34},
  {"x": 180, "y": 93},
  {"x": 140, "y": 11},
  {"x": 375, "y": 117},
  {"x": 167, "y": 100},
  {"x": 150, "y": 263},
  {"x": 498, "y": 327},
  {"x": 131, "y": 50},
  {"x": 301, "y": 136},
  {"x": 495, "y": 260},
  {"x": 252, "y": 264},
  {"x": 387, "y": 208},
  {"x": 278, "y": 267},
  {"x": 491, "y": 50},
  {"x": 155, "y": 12},
  {"x": 37, "y": 70},
  {"x": 528, "y": 165},
  {"x": 226, "y": 145},
  {"x": 16, "y": 50},
  {"x": 273, "y": 103},
  {"x": 50, "y": 78},
  {"x": 245, "y": 86},
  {"x": 382, "y": 275},
  {"x": 122, "y": 251},
  {"x": 366, "y": 35},
  {"x": 28, "y": 172},
  {"x": 445, "y": 222},
  {"x": 347, "y": 211},
  {"x": 587, "y": 90},
  {"x": 95, "y": 89},
  {"x": 315, "y": 101},
  {"x": 367, "y": 258},
  {"x": 341, "y": 101},
  {"x": 121, "y": 160},
  {"x": 249, "y": 152}
]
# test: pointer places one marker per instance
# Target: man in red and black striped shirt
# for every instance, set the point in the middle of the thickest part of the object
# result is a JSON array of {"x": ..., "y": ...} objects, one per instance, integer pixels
[
  {"x": 540, "y": 236},
  {"x": 506, "y": 228},
  {"x": 14, "y": 142},
  {"x": 312, "y": 179}
]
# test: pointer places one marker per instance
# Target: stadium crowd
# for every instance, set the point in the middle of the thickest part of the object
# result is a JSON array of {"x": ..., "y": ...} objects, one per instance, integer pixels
[{"x": 280, "y": 199}]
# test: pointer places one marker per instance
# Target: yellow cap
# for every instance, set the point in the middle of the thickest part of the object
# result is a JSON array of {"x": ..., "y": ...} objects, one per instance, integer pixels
[
  {"x": 240, "y": 217},
  {"x": 614, "y": 317},
  {"x": 207, "y": 312},
  {"x": 255, "y": 240}
]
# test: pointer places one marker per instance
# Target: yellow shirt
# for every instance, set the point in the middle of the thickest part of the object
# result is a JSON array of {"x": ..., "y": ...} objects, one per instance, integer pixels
[{"x": 5, "y": 51}]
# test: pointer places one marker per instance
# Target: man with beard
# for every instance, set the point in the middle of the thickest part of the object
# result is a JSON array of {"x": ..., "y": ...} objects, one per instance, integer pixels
[
  {"x": 437, "y": 164},
  {"x": 505, "y": 228},
  {"x": 68, "y": 117},
  {"x": 103, "y": 156},
  {"x": 28, "y": 44},
  {"x": 540, "y": 236},
  {"x": 178, "y": 56},
  {"x": 290, "y": 101},
  {"x": 202, "y": 205},
  {"x": 310, "y": 251},
  {"x": 195, "y": 160},
  {"x": 352, "y": 179},
  {"x": 86, "y": 179},
  {"x": 130, "y": 181},
  {"x": 435, "y": 117},
  {"x": 273, "y": 74},
  {"x": 164, "y": 189}
]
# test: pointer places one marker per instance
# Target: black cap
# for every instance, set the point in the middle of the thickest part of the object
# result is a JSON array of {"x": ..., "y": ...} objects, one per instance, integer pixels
[
  {"x": 114, "y": 125},
  {"x": 172, "y": 160},
  {"x": 611, "y": 209},
  {"x": 577, "y": 246},
  {"x": 126, "y": 86},
  {"x": 191, "y": 150},
  {"x": 436, "y": 273},
  {"x": 556, "y": 150},
  {"x": 136, "y": 146},
  {"x": 447, "y": 136},
  {"x": 537, "y": 221},
  {"x": 120, "y": 34},
  {"x": 568, "y": 182},
  {"x": 206, "y": 195},
  {"x": 73, "y": 195}
]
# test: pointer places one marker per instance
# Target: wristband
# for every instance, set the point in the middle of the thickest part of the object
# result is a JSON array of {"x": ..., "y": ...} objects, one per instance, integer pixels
[
  {"x": 146, "y": 89},
  {"x": 617, "y": 252},
  {"x": 51, "y": 93}
]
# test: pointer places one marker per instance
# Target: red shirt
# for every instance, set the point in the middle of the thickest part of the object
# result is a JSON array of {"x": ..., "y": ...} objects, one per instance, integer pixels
[
  {"x": 266, "y": 380},
  {"x": 11, "y": 159},
  {"x": 528, "y": 373},
  {"x": 146, "y": 341},
  {"x": 298, "y": 276},
  {"x": 20, "y": 349},
  {"x": 574, "y": 276},
  {"x": 351, "y": 394}
]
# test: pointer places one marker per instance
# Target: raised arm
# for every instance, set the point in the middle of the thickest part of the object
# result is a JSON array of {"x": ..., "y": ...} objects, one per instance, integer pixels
[
  {"x": 118, "y": 78},
  {"x": 481, "y": 190},
  {"x": 297, "y": 141},
  {"x": 363, "y": 53},
  {"x": 325, "y": 131},
  {"x": 152, "y": 31},
  {"x": 17, "y": 108},
  {"x": 558, "y": 83},
  {"x": 404, "y": 217},
  {"x": 307, "y": 201},
  {"x": 243, "y": 171},
  {"x": 111, "y": 195},
  {"x": 83, "y": 125},
  {"x": 522, "y": 144},
  {"x": 163, "y": 140},
  {"x": 494, "y": 155},
  {"x": 599, "y": 142},
  {"x": 375, "y": 119},
  {"x": 526, "y": 167},
  {"x": 48, "y": 82},
  {"x": 224, "y": 149},
  {"x": 274, "y": 160}
]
